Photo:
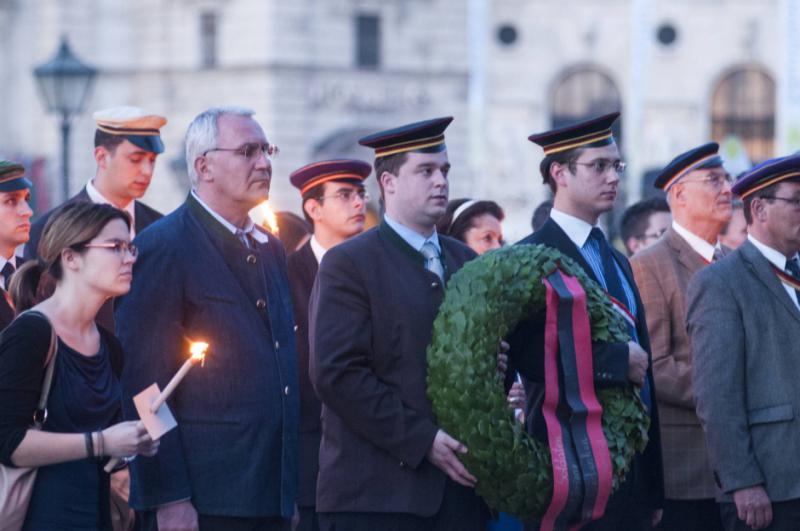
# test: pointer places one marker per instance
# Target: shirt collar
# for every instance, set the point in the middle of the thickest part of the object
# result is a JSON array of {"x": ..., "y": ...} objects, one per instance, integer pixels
[
  {"x": 250, "y": 226},
  {"x": 698, "y": 244},
  {"x": 411, "y": 237},
  {"x": 317, "y": 248},
  {"x": 98, "y": 198},
  {"x": 777, "y": 258},
  {"x": 576, "y": 229}
]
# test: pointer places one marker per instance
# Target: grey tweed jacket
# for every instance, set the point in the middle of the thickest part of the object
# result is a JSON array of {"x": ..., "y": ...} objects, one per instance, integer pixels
[{"x": 745, "y": 332}]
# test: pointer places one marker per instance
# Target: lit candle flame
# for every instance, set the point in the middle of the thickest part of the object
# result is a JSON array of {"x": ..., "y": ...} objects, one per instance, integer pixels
[
  {"x": 270, "y": 220},
  {"x": 198, "y": 350}
]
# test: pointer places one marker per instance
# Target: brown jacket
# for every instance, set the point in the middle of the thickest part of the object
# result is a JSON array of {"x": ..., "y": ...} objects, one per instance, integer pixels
[{"x": 662, "y": 273}]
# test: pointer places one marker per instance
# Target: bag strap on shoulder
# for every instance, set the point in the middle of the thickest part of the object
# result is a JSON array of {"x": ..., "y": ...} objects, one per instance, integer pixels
[{"x": 40, "y": 415}]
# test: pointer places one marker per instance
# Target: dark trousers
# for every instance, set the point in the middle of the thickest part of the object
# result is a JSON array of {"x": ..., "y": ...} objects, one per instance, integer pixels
[
  {"x": 785, "y": 517},
  {"x": 691, "y": 515},
  {"x": 308, "y": 519},
  {"x": 461, "y": 510},
  {"x": 223, "y": 523}
]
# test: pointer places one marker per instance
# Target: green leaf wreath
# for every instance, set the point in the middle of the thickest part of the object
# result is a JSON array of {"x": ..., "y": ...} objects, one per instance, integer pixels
[{"x": 483, "y": 302}]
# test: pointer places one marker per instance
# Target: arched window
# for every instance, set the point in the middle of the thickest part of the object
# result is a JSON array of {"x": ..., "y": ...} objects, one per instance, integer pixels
[
  {"x": 584, "y": 92},
  {"x": 743, "y": 105}
]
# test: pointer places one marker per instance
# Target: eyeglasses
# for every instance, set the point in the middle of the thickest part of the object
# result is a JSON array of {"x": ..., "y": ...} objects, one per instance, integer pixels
[
  {"x": 601, "y": 166},
  {"x": 346, "y": 196},
  {"x": 251, "y": 151},
  {"x": 717, "y": 181},
  {"x": 793, "y": 201},
  {"x": 118, "y": 246}
]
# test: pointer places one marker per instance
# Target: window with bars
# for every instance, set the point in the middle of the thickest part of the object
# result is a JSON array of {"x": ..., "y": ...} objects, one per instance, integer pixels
[{"x": 743, "y": 106}]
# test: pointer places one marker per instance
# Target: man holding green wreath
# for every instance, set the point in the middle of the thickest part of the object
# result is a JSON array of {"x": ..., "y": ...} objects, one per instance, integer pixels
[{"x": 582, "y": 166}]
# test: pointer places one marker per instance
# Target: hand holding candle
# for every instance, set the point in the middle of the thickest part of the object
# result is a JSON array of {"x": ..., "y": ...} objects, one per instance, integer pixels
[{"x": 148, "y": 404}]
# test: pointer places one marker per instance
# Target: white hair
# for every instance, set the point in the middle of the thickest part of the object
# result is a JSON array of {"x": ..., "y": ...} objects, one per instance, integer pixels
[{"x": 202, "y": 134}]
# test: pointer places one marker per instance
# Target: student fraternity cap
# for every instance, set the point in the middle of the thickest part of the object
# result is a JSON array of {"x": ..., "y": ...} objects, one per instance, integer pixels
[
  {"x": 705, "y": 156},
  {"x": 325, "y": 171},
  {"x": 591, "y": 133},
  {"x": 140, "y": 128},
  {"x": 767, "y": 173},
  {"x": 425, "y": 137},
  {"x": 11, "y": 177}
]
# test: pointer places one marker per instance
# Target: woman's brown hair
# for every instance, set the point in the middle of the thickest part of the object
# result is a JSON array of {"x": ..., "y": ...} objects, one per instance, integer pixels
[{"x": 70, "y": 227}]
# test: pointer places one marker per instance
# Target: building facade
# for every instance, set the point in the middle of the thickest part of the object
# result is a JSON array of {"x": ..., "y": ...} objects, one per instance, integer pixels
[{"x": 321, "y": 73}]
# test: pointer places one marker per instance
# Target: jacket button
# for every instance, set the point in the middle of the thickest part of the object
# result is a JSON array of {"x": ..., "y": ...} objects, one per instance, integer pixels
[
  {"x": 251, "y": 259},
  {"x": 277, "y": 346},
  {"x": 261, "y": 304},
  {"x": 286, "y": 390},
  {"x": 295, "y": 328},
  {"x": 434, "y": 284},
  {"x": 402, "y": 464}
]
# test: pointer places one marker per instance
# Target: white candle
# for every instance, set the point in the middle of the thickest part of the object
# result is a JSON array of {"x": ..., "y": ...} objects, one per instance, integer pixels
[{"x": 198, "y": 351}]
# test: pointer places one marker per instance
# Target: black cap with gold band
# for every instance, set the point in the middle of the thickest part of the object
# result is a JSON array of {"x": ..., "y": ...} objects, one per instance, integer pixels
[
  {"x": 12, "y": 177},
  {"x": 136, "y": 125},
  {"x": 590, "y": 133},
  {"x": 426, "y": 137}
]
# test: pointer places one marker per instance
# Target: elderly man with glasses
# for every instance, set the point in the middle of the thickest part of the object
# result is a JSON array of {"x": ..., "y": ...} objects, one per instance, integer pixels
[
  {"x": 744, "y": 321},
  {"x": 207, "y": 272},
  {"x": 699, "y": 194}
]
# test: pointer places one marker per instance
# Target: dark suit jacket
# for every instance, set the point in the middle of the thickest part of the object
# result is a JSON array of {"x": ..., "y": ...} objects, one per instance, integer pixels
[
  {"x": 235, "y": 449},
  {"x": 371, "y": 319},
  {"x": 302, "y": 272},
  {"x": 745, "y": 329},
  {"x": 144, "y": 217},
  {"x": 662, "y": 273},
  {"x": 610, "y": 365}
]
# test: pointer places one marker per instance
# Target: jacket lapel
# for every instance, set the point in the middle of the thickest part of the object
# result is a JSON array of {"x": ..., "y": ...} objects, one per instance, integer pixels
[
  {"x": 553, "y": 235},
  {"x": 762, "y": 270},
  {"x": 687, "y": 257}
]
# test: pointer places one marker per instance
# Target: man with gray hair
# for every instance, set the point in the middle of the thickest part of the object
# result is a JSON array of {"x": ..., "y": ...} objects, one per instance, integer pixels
[{"x": 213, "y": 275}]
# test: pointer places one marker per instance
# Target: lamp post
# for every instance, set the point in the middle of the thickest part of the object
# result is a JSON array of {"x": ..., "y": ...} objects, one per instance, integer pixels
[{"x": 64, "y": 84}]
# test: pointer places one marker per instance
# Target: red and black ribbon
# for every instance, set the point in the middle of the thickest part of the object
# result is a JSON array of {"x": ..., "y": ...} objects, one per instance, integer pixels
[{"x": 582, "y": 473}]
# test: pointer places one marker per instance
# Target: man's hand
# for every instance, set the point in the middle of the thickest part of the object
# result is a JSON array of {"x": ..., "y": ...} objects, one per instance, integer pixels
[
  {"x": 502, "y": 359},
  {"x": 179, "y": 516},
  {"x": 656, "y": 518},
  {"x": 637, "y": 363},
  {"x": 753, "y": 506},
  {"x": 443, "y": 455}
]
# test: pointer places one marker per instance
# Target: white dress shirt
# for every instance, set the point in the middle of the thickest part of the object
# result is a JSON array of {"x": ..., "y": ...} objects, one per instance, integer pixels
[
  {"x": 98, "y": 198},
  {"x": 778, "y": 259},
  {"x": 700, "y": 246},
  {"x": 259, "y": 236},
  {"x": 317, "y": 248}
]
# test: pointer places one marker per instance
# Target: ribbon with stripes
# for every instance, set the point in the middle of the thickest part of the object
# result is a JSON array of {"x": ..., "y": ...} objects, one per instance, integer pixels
[{"x": 581, "y": 461}]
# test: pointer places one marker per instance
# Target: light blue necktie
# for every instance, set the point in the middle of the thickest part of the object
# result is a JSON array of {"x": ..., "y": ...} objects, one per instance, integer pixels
[{"x": 433, "y": 261}]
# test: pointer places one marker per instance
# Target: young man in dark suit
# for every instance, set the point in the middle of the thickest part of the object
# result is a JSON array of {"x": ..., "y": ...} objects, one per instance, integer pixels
[
  {"x": 582, "y": 166},
  {"x": 334, "y": 203},
  {"x": 384, "y": 463},
  {"x": 207, "y": 272},
  {"x": 15, "y": 226},
  {"x": 127, "y": 142}
]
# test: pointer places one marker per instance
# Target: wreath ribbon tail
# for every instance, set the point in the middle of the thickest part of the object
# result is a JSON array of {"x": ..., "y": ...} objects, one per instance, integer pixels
[{"x": 579, "y": 452}]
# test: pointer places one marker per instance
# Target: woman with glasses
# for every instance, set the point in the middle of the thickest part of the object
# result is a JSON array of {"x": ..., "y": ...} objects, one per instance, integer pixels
[{"x": 85, "y": 258}]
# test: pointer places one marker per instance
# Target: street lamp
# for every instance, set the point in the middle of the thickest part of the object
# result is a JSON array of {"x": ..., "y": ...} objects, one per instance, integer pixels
[{"x": 64, "y": 84}]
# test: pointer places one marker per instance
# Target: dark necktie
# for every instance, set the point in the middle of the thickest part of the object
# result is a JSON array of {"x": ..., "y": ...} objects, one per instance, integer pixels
[
  {"x": 610, "y": 273},
  {"x": 7, "y": 271},
  {"x": 433, "y": 261},
  {"x": 793, "y": 268},
  {"x": 246, "y": 237},
  {"x": 717, "y": 255}
]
